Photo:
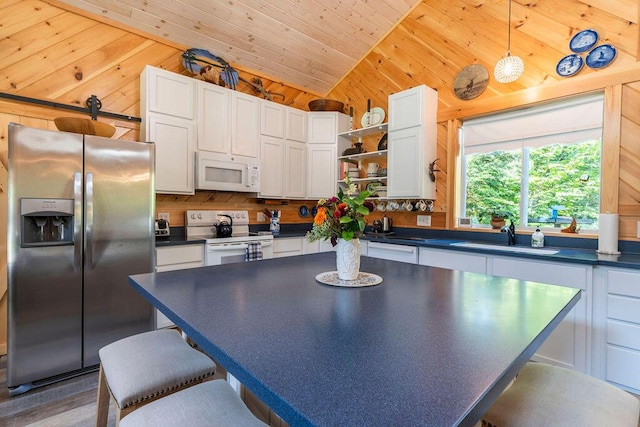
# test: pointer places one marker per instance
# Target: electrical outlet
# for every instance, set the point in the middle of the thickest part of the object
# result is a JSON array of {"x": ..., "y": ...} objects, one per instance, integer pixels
[
  {"x": 638, "y": 229},
  {"x": 163, "y": 215},
  {"x": 261, "y": 217},
  {"x": 424, "y": 220}
]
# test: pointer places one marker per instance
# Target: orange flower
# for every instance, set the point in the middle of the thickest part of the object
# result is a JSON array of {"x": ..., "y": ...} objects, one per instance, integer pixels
[{"x": 320, "y": 217}]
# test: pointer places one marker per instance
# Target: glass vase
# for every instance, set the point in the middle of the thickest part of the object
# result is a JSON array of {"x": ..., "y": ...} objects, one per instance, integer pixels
[{"x": 348, "y": 259}]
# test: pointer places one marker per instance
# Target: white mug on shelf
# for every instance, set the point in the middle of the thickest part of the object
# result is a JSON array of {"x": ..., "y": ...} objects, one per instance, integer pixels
[{"x": 372, "y": 169}]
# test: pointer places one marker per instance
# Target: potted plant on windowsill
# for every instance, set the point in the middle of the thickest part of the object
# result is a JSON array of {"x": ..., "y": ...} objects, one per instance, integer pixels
[{"x": 498, "y": 219}]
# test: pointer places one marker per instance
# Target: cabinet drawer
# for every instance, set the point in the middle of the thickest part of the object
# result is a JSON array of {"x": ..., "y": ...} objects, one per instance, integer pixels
[
  {"x": 624, "y": 282},
  {"x": 554, "y": 274},
  {"x": 623, "y": 308},
  {"x": 622, "y": 367},
  {"x": 180, "y": 255},
  {"x": 624, "y": 334},
  {"x": 453, "y": 260},
  {"x": 287, "y": 245}
]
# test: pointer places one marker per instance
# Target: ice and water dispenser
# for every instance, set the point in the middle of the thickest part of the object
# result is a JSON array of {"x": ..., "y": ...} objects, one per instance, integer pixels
[{"x": 46, "y": 222}]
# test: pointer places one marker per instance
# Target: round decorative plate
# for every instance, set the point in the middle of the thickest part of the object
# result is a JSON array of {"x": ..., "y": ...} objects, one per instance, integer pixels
[
  {"x": 471, "y": 81},
  {"x": 601, "y": 56},
  {"x": 569, "y": 65},
  {"x": 303, "y": 211},
  {"x": 377, "y": 116},
  {"x": 583, "y": 41},
  {"x": 363, "y": 279}
]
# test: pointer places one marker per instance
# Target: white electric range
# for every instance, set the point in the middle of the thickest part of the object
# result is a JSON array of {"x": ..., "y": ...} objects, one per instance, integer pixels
[{"x": 202, "y": 224}]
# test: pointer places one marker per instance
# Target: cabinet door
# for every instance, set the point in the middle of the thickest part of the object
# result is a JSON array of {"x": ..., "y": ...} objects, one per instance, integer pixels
[
  {"x": 272, "y": 118},
  {"x": 406, "y": 108},
  {"x": 405, "y": 168},
  {"x": 321, "y": 170},
  {"x": 175, "y": 149},
  {"x": 245, "y": 133},
  {"x": 296, "y": 125},
  {"x": 453, "y": 260},
  {"x": 296, "y": 169},
  {"x": 272, "y": 167},
  {"x": 176, "y": 258},
  {"x": 287, "y": 246},
  {"x": 323, "y": 128},
  {"x": 168, "y": 93},
  {"x": 402, "y": 253},
  {"x": 567, "y": 344},
  {"x": 214, "y": 118}
]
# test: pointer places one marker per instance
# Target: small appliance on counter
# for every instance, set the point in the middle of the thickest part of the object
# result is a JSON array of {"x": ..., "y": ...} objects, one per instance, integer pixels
[{"x": 162, "y": 228}]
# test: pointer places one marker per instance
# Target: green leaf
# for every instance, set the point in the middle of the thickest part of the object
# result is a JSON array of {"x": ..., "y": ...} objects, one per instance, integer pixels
[
  {"x": 347, "y": 235},
  {"x": 361, "y": 223},
  {"x": 362, "y": 210},
  {"x": 345, "y": 220}
]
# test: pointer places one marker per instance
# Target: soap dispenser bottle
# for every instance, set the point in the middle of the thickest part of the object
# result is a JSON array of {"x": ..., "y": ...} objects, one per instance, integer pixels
[{"x": 537, "y": 239}]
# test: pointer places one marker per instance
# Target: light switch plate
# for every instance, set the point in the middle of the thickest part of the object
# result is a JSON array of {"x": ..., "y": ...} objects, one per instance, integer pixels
[
  {"x": 164, "y": 215},
  {"x": 424, "y": 220},
  {"x": 261, "y": 217},
  {"x": 638, "y": 229}
]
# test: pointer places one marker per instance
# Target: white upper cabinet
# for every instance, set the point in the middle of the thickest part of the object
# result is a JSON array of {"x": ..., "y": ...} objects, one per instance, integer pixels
[
  {"x": 322, "y": 150},
  {"x": 272, "y": 166},
  {"x": 408, "y": 108},
  {"x": 168, "y": 108},
  {"x": 296, "y": 125},
  {"x": 245, "y": 121},
  {"x": 412, "y": 143},
  {"x": 295, "y": 169},
  {"x": 168, "y": 93},
  {"x": 175, "y": 147},
  {"x": 214, "y": 118},
  {"x": 272, "y": 119},
  {"x": 323, "y": 127}
]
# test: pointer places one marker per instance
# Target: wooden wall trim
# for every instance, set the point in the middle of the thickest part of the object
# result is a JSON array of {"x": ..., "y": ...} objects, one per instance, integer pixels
[
  {"x": 570, "y": 87},
  {"x": 610, "y": 175}
]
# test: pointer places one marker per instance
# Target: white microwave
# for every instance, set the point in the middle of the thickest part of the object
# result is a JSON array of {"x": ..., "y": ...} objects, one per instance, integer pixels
[{"x": 227, "y": 173}]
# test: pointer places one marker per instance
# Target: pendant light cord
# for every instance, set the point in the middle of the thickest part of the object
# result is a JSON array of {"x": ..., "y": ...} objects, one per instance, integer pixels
[{"x": 509, "y": 31}]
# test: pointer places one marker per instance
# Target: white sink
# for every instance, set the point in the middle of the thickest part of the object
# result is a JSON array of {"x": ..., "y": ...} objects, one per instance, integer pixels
[{"x": 507, "y": 248}]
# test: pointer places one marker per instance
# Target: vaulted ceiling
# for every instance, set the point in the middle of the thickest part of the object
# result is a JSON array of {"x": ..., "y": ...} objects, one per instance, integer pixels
[{"x": 310, "y": 44}]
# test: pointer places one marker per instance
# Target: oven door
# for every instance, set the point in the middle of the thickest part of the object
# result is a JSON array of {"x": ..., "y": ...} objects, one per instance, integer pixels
[{"x": 228, "y": 253}]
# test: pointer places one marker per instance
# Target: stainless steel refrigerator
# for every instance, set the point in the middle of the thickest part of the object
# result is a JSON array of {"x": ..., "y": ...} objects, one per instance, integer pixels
[{"x": 80, "y": 221}]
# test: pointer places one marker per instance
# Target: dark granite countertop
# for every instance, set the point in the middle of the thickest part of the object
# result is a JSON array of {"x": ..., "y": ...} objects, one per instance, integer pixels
[
  {"x": 571, "y": 250},
  {"x": 427, "y": 346}
]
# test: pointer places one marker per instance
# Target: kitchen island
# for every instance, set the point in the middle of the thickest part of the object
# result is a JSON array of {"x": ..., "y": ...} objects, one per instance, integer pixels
[{"x": 427, "y": 346}]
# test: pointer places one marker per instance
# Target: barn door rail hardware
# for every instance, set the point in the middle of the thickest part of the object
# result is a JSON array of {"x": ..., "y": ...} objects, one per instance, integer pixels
[{"x": 93, "y": 106}]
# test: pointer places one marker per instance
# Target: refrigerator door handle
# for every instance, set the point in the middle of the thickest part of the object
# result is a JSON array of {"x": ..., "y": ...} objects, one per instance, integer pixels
[
  {"x": 88, "y": 264},
  {"x": 77, "y": 221}
]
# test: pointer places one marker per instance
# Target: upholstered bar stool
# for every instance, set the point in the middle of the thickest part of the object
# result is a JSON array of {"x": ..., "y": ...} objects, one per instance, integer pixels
[
  {"x": 547, "y": 395},
  {"x": 141, "y": 368},
  {"x": 212, "y": 403}
]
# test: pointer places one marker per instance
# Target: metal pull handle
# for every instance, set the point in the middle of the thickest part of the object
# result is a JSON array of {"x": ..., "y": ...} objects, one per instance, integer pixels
[
  {"x": 77, "y": 221},
  {"x": 88, "y": 264}
]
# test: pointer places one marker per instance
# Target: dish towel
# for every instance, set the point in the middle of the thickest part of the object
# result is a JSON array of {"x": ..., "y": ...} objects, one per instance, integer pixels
[{"x": 254, "y": 252}]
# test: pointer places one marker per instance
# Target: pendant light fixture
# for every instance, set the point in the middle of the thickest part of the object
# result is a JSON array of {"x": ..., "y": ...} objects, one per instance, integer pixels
[{"x": 509, "y": 68}]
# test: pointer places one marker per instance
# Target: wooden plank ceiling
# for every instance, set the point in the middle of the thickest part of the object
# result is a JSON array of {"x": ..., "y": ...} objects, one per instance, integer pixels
[
  {"x": 51, "y": 51},
  {"x": 309, "y": 44}
]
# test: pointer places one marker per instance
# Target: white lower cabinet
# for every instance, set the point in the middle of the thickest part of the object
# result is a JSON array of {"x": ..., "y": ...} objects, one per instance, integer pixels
[
  {"x": 569, "y": 344},
  {"x": 453, "y": 260},
  {"x": 287, "y": 246},
  {"x": 170, "y": 258},
  {"x": 618, "y": 351},
  {"x": 402, "y": 253},
  {"x": 323, "y": 246}
]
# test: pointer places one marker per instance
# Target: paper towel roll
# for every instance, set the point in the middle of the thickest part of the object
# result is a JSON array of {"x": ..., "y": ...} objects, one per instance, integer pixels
[{"x": 608, "y": 234}]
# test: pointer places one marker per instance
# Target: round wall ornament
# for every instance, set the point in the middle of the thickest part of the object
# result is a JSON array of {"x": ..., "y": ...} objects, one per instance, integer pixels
[{"x": 471, "y": 81}]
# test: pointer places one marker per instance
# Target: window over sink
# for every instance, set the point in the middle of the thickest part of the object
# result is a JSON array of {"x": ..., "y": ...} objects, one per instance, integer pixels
[{"x": 541, "y": 165}]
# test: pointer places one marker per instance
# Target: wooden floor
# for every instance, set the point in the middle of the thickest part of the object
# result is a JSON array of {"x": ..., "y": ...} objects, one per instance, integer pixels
[{"x": 69, "y": 403}]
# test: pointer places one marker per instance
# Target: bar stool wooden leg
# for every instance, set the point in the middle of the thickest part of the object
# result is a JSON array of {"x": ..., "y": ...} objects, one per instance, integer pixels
[{"x": 102, "y": 411}]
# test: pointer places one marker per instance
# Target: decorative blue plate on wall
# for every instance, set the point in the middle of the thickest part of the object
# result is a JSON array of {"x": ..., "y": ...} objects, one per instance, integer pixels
[
  {"x": 601, "y": 56},
  {"x": 569, "y": 65},
  {"x": 583, "y": 41}
]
